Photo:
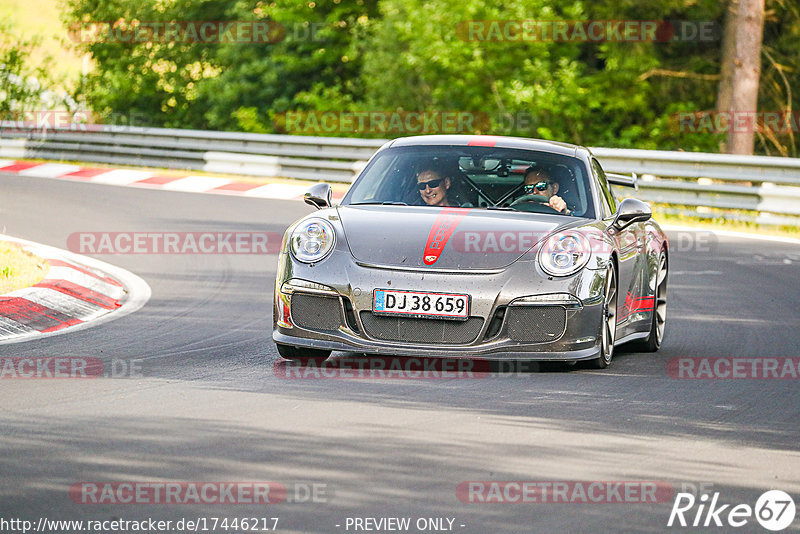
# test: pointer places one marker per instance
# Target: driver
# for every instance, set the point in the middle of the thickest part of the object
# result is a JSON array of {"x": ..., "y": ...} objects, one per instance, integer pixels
[
  {"x": 539, "y": 182},
  {"x": 433, "y": 187}
]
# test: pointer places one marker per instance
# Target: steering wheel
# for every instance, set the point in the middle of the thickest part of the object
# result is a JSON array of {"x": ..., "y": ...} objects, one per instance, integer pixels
[{"x": 533, "y": 204}]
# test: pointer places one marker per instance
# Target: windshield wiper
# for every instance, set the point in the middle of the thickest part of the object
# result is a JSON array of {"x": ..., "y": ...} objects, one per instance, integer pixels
[{"x": 501, "y": 208}]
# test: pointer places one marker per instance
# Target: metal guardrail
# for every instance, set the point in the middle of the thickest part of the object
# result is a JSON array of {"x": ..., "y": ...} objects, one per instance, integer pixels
[
  {"x": 768, "y": 188},
  {"x": 701, "y": 165},
  {"x": 293, "y": 156}
]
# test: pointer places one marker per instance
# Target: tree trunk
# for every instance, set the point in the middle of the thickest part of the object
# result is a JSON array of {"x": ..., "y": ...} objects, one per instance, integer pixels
[
  {"x": 746, "y": 72},
  {"x": 728, "y": 52},
  {"x": 727, "y": 55}
]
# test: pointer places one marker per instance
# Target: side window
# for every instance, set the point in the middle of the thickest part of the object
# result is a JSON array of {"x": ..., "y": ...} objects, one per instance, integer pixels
[{"x": 609, "y": 202}]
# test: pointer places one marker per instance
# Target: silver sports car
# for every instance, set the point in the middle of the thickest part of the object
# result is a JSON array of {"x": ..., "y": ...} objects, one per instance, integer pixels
[{"x": 473, "y": 246}]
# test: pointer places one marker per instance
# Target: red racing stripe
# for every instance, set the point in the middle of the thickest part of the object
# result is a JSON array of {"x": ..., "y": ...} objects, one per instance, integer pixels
[
  {"x": 85, "y": 173},
  {"x": 34, "y": 315},
  {"x": 61, "y": 263},
  {"x": 483, "y": 140},
  {"x": 443, "y": 227},
  {"x": 80, "y": 292},
  {"x": 16, "y": 167},
  {"x": 634, "y": 305},
  {"x": 237, "y": 186},
  {"x": 158, "y": 180}
]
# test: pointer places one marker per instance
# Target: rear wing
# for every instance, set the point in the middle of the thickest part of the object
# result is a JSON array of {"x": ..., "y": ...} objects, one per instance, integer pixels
[{"x": 623, "y": 179}]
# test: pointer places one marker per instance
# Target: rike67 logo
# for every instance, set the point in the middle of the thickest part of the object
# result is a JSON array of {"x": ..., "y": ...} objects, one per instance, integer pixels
[{"x": 774, "y": 510}]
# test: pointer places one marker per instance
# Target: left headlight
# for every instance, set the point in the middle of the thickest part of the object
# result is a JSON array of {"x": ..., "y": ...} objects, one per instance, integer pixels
[
  {"x": 565, "y": 253},
  {"x": 312, "y": 240}
]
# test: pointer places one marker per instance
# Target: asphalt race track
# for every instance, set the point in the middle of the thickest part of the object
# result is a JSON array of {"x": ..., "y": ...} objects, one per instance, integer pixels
[{"x": 208, "y": 405}]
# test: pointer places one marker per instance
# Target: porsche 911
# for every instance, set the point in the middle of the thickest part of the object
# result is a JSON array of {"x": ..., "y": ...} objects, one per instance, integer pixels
[{"x": 474, "y": 247}]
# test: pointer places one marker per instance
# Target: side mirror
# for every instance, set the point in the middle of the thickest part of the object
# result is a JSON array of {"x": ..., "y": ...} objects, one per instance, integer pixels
[
  {"x": 631, "y": 210},
  {"x": 319, "y": 196}
]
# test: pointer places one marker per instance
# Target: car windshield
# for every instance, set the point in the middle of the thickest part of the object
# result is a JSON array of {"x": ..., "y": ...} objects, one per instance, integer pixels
[{"x": 475, "y": 177}]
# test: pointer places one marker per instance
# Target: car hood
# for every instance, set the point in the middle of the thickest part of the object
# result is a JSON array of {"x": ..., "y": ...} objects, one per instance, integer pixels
[{"x": 443, "y": 238}]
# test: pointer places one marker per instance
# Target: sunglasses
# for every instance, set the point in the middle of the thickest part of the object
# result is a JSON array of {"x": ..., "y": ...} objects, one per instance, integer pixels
[
  {"x": 433, "y": 184},
  {"x": 539, "y": 186}
]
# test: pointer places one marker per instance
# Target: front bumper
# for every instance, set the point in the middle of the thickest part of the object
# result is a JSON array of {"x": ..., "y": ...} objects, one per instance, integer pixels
[
  {"x": 485, "y": 351},
  {"x": 494, "y": 310}
]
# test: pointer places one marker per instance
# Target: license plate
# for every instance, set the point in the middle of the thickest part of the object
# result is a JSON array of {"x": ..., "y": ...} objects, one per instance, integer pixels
[{"x": 421, "y": 304}]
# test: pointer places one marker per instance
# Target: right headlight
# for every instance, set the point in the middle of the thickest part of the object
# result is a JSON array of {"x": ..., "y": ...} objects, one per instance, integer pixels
[
  {"x": 564, "y": 253},
  {"x": 312, "y": 240}
]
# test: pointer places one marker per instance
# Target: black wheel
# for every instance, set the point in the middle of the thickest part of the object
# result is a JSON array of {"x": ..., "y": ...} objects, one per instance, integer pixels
[
  {"x": 302, "y": 355},
  {"x": 609, "y": 326},
  {"x": 653, "y": 341}
]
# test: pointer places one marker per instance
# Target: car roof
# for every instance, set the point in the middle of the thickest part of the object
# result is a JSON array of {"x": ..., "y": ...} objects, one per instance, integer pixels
[{"x": 488, "y": 141}]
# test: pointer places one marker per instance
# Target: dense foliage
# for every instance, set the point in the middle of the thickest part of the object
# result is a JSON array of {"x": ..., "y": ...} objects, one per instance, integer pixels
[
  {"x": 21, "y": 87},
  {"x": 414, "y": 55}
]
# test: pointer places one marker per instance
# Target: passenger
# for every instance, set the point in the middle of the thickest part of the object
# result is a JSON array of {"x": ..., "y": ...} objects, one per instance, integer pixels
[
  {"x": 433, "y": 188},
  {"x": 539, "y": 182}
]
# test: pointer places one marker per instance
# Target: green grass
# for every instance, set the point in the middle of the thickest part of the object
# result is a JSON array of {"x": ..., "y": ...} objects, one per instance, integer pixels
[
  {"x": 19, "y": 268},
  {"x": 720, "y": 222}
]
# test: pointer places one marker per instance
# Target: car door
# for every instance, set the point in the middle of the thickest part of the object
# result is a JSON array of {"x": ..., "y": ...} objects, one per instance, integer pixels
[{"x": 630, "y": 243}]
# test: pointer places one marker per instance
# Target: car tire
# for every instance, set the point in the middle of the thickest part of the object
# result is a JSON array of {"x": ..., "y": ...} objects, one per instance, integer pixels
[
  {"x": 659, "y": 321},
  {"x": 302, "y": 355},
  {"x": 609, "y": 323}
]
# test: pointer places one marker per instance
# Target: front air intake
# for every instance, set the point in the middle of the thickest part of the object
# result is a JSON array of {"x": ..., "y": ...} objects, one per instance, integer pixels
[
  {"x": 536, "y": 324},
  {"x": 435, "y": 331},
  {"x": 314, "y": 312}
]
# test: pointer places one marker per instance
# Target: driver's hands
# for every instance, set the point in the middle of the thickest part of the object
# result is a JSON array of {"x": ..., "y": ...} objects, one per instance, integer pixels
[{"x": 557, "y": 203}]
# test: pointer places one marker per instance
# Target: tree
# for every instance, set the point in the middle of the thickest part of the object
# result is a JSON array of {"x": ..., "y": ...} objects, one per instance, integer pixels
[
  {"x": 316, "y": 65},
  {"x": 746, "y": 73},
  {"x": 21, "y": 85},
  {"x": 588, "y": 92},
  {"x": 234, "y": 84},
  {"x": 153, "y": 78},
  {"x": 413, "y": 55},
  {"x": 728, "y": 53},
  {"x": 779, "y": 75}
]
